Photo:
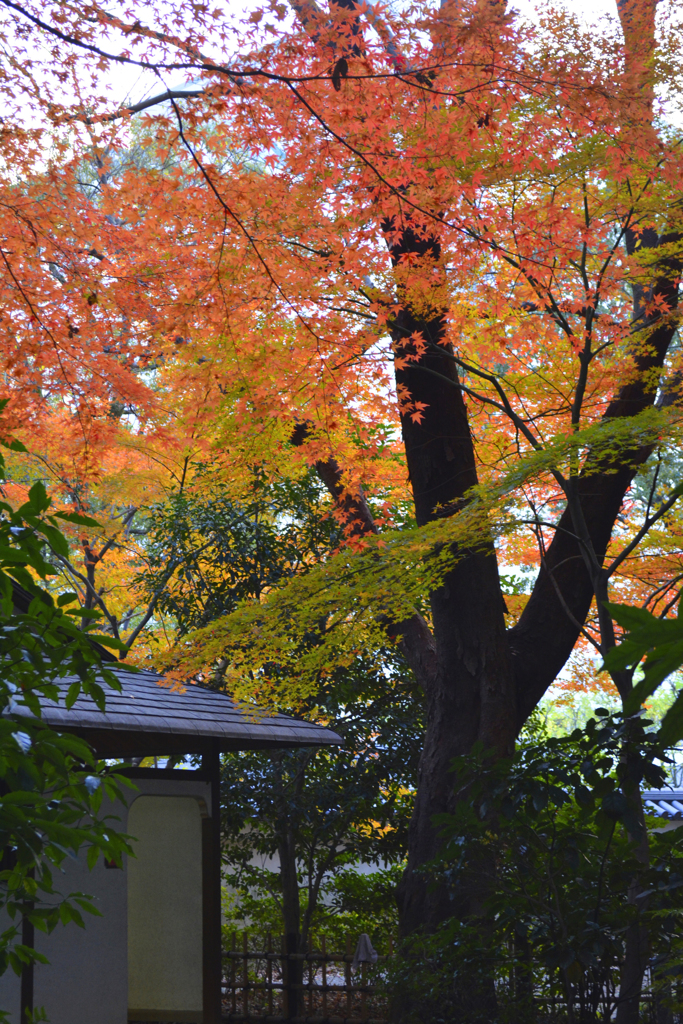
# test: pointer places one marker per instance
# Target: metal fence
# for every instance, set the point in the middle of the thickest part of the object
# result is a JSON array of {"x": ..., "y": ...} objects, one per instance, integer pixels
[{"x": 315, "y": 987}]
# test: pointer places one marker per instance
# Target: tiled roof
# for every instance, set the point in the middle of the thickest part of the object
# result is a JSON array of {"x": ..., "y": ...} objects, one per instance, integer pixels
[
  {"x": 666, "y": 802},
  {"x": 148, "y": 717}
]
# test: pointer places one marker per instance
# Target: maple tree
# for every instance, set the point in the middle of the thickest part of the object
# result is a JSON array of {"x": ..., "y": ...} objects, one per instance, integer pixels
[{"x": 441, "y": 241}]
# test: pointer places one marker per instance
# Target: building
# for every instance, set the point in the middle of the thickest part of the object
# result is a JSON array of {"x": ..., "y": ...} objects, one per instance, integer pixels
[
  {"x": 155, "y": 953},
  {"x": 667, "y": 804}
]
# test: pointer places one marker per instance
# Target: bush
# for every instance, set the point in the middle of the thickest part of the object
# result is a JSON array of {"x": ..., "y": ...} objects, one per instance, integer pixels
[
  {"x": 551, "y": 846},
  {"x": 352, "y": 902}
]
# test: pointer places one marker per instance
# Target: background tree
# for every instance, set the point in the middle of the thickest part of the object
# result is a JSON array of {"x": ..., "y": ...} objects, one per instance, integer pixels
[
  {"x": 309, "y": 816},
  {"x": 559, "y": 910}
]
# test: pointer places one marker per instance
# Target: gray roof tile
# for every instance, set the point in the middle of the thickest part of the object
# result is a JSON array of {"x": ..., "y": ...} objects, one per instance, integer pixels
[{"x": 666, "y": 802}]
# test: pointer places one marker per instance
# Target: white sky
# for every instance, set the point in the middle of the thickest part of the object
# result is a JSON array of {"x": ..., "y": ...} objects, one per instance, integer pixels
[
  {"x": 130, "y": 85},
  {"x": 591, "y": 10}
]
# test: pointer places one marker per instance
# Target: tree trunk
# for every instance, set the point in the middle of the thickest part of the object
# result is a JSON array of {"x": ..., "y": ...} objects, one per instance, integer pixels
[
  {"x": 292, "y": 966},
  {"x": 481, "y": 682},
  {"x": 484, "y": 682},
  {"x": 469, "y": 694},
  {"x": 637, "y": 939},
  {"x": 525, "y": 1008}
]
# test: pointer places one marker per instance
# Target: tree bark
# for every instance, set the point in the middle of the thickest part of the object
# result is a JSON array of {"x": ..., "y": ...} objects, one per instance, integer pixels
[
  {"x": 292, "y": 966},
  {"x": 482, "y": 683},
  {"x": 470, "y": 694}
]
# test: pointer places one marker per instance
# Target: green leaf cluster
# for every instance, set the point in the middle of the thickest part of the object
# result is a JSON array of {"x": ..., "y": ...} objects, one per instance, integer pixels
[
  {"x": 205, "y": 551},
  {"x": 660, "y": 643},
  {"x": 351, "y": 902},
  {"x": 330, "y": 808},
  {"x": 546, "y": 844},
  {"x": 51, "y": 785}
]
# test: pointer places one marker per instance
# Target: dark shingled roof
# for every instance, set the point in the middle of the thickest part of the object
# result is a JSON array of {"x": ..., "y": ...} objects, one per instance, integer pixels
[{"x": 149, "y": 718}]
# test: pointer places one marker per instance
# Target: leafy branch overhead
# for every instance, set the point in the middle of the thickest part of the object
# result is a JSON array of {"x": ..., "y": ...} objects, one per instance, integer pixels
[
  {"x": 52, "y": 784},
  {"x": 656, "y": 645},
  {"x": 322, "y": 617}
]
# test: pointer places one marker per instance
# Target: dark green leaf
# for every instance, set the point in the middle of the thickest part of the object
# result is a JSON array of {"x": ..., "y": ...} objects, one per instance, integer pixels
[
  {"x": 78, "y": 519},
  {"x": 14, "y": 445},
  {"x": 671, "y": 730},
  {"x": 37, "y": 497}
]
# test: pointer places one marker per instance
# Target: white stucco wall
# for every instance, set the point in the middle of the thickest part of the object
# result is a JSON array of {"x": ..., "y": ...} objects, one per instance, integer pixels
[
  {"x": 165, "y": 909},
  {"x": 87, "y": 979}
]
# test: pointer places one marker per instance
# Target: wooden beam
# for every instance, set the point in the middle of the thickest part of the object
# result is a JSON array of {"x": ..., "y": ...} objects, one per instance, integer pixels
[
  {"x": 211, "y": 890},
  {"x": 26, "y": 991}
]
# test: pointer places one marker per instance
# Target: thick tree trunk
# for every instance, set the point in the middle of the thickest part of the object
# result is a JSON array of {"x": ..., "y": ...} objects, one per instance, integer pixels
[
  {"x": 470, "y": 693},
  {"x": 482, "y": 683}
]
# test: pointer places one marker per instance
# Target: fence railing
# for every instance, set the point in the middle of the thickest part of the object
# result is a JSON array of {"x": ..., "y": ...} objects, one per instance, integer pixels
[
  {"x": 315, "y": 987},
  {"x": 321, "y": 987}
]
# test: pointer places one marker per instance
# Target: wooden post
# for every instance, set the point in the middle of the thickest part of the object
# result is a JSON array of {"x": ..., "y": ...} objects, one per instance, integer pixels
[
  {"x": 347, "y": 976},
  {"x": 26, "y": 991},
  {"x": 245, "y": 974},
  {"x": 324, "y": 949},
  {"x": 269, "y": 974},
  {"x": 211, "y": 884}
]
